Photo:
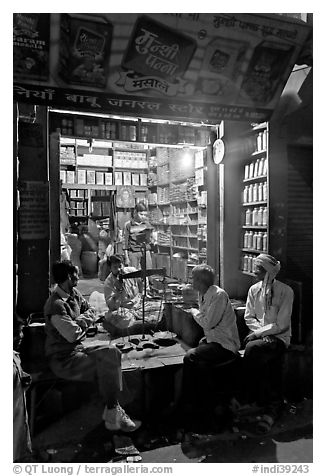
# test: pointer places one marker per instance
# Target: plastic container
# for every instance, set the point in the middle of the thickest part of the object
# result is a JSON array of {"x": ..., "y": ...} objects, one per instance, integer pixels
[
  {"x": 256, "y": 168},
  {"x": 265, "y": 216},
  {"x": 260, "y": 192},
  {"x": 254, "y": 217},
  {"x": 254, "y": 241},
  {"x": 245, "y": 240},
  {"x": 251, "y": 169},
  {"x": 265, "y": 241},
  {"x": 255, "y": 192},
  {"x": 250, "y": 239},
  {"x": 248, "y": 217},
  {"x": 265, "y": 191},
  {"x": 250, "y": 190},
  {"x": 246, "y": 175}
]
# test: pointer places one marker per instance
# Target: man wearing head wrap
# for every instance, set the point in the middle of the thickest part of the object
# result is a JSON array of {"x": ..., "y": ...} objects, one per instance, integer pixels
[{"x": 268, "y": 316}]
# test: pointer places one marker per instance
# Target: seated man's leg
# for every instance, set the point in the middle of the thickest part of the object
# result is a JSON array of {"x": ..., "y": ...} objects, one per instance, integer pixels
[
  {"x": 195, "y": 361},
  {"x": 259, "y": 358},
  {"x": 101, "y": 363},
  {"x": 107, "y": 363}
]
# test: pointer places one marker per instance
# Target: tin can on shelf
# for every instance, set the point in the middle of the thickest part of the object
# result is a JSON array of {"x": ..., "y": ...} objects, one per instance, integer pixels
[{"x": 133, "y": 133}]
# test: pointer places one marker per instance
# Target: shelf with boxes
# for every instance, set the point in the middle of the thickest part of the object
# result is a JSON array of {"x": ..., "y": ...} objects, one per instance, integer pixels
[
  {"x": 177, "y": 207},
  {"x": 102, "y": 163},
  {"x": 129, "y": 129},
  {"x": 254, "y": 235}
]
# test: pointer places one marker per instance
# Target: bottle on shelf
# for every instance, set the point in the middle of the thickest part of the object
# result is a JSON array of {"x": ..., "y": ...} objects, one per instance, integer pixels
[
  {"x": 255, "y": 192},
  {"x": 245, "y": 240},
  {"x": 259, "y": 245},
  {"x": 264, "y": 140},
  {"x": 250, "y": 263},
  {"x": 265, "y": 212},
  {"x": 254, "y": 216},
  {"x": 251, "y": 169},
  {"x": 265, "y": 191},
  {"x": 260, "y": 192},
  {"x": 245, "y": 263},
  {"x": 250, "y": 239},
  {"x": 248, "y": 219},
  {"x": 256, "y": 168},
  {"x": 261, "y": 167},
  {"x": 132, "y": 133},
  {"x": 246, "y": 175},
  {"x": 265, "y": 167},
  {"x": 245, "y": 194},
  {"x": 124, "y": 131},
  {"x": 250, "y": 190},
  {"x": 259, "y": 142},
  {"x": 260, "y": 216},
  {"x": 265, "y": 241},
  {"x": 254, "y": 241}
]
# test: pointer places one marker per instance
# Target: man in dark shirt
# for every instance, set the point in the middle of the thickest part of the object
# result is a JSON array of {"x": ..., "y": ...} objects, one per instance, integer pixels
[{"x": 67, "y": 318}]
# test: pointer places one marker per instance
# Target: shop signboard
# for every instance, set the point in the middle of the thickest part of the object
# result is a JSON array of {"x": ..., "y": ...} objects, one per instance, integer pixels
[
  {"x": 199, "y": 66},
  {"x": 31, "y": 45}
]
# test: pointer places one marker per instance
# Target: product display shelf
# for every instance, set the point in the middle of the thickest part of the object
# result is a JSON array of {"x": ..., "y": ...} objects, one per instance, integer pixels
[
  {"x": 252, "y": 250},
  {"x": 128, "y": 129},
  {"x": 255, "y": 179},
  {"x": 256, "y": 185},
  {"x": 253, "y": 204},
  {"x": 255, "y": 227}
]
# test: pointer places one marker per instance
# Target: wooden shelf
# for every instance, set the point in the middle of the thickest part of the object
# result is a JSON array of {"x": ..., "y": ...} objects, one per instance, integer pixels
[
  {"x": 82, "y": 186},
  {"x": 253, "y": 179},
  {"x": 127, "y": 169},
  {"x": 78, "y": 199},
  {"x": 252, "y": 250},
  {"x": 175, "y": 202},
  {"x": 247, "y": 273},
  {"x": 259, "y": 152},
  {"x": 184, "y": 236},
  {"x": 181, "y": 180},
  {"x": 253, "y": 204},
  {"x": 137, "y": 151},
  {"x": 256, "y": 227},
  {"x": 184, "y": 248}
]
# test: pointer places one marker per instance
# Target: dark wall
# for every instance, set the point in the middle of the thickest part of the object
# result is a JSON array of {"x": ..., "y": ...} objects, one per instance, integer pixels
[
  {"x": 300, "y": 226},
  {"x": 33, "y": 249}
]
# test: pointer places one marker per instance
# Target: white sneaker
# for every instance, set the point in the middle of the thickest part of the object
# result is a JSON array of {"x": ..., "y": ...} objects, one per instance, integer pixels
[{"x": 117, "y": 419}]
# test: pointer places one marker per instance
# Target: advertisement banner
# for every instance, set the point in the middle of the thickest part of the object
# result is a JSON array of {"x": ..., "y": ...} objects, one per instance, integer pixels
[{"x": 196, "y": 66}]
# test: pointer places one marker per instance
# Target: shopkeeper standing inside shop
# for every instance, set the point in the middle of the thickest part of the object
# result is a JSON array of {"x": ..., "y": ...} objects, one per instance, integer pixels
[{"x": 138, "y": 236}]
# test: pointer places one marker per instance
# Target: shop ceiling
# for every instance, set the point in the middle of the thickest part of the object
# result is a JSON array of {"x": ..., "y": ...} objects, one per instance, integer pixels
[{"x": 197, "y": 67}]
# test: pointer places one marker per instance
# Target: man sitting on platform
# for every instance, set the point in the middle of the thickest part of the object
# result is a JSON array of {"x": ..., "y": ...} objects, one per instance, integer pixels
[
  {"x": 124, "y": 300},
  {"x": 67, "y": 318},
  {"x": 268, "y": 316},
  {"x": 216, "y": 316},
  {"x": 118, "y": 293}
]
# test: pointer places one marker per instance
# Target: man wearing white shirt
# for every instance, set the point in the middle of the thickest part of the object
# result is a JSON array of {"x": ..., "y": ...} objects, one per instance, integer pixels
[
  {"x": 268, "y": 316},
  {"x": 216, "y": 316}
]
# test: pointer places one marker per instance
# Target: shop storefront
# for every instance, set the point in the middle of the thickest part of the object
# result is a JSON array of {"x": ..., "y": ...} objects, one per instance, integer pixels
[{"x": 170, "y": 109}]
